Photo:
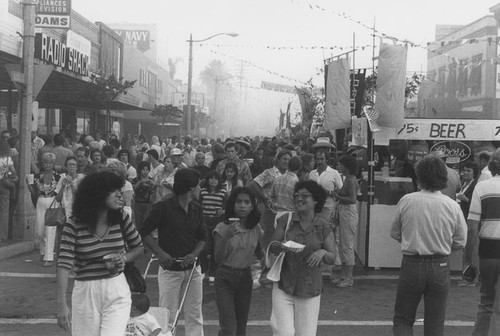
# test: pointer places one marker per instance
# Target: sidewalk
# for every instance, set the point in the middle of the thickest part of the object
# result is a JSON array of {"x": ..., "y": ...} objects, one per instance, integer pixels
[{"x": 29, "y": 291}]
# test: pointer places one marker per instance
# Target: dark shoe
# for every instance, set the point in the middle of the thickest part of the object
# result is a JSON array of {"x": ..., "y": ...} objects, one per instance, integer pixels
[{"x": 346, "y": 283}]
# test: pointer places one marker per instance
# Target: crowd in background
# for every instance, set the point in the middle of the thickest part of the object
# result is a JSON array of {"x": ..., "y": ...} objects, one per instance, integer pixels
[{"x": 274, "y": 187}]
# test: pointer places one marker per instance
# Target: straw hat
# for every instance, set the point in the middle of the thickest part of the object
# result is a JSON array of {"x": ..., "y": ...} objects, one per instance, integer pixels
[{"x": 323, "y": 142}]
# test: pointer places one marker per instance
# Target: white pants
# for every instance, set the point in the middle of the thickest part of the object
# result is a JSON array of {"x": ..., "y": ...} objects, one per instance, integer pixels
[
  {"x": 294, "y": 316},
  {"x": 171, "y": 285},
  {"x": 45, "y": 235},
  {"x": 100, "y": 307}
]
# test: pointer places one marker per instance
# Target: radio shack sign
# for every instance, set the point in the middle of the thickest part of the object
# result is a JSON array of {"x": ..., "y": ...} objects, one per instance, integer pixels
[
  {"x": 53, "y": 13},
  {"x": 73, "y": 55}
]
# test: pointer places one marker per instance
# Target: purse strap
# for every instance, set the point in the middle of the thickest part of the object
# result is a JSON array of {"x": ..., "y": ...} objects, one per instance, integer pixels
[{"x": 54, "y": 202}]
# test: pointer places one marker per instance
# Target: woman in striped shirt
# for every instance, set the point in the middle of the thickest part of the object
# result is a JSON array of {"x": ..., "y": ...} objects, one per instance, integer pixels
[
  {"x": 212, "y": 198},
  {"x": 99, "y": 227}
]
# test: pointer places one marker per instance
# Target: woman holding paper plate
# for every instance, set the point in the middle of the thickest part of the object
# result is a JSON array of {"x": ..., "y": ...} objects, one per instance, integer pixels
[
  {"x": 235, "y": 245},
  {"x": 306, "y": 240}
]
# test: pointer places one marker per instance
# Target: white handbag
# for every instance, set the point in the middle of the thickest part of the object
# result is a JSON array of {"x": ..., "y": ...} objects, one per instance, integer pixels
[{"x": 275, "y": 262}]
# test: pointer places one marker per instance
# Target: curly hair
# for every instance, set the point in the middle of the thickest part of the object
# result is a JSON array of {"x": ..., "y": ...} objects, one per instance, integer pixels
[
  {"x": 317, "y": 192},
  {"x": 431, "y": 173},
  {"x": 351, "y": 164},
  {"x": 91, "y": 196},
  {"x": 254, "y": 215},
  {"x": 185, "y": 179}
]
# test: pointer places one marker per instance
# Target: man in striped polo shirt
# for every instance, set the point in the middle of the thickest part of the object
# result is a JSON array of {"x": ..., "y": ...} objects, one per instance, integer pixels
[{"x": 484, "y": 216}]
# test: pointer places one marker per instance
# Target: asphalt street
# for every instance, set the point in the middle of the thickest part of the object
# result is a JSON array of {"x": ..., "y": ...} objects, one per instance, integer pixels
[{"x": 28, "y": 303}]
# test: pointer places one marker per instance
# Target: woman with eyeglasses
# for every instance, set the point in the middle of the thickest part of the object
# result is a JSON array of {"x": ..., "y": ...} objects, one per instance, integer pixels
[
  {"x": 296, "y": 296},
  {"x": 95, "y": 244}
]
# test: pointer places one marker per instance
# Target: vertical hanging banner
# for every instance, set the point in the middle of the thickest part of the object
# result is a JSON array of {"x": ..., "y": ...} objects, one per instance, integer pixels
[
  {"x": 391, "y": 84},
  {"x": 358, "y": 86},
  {"x": 338, "y": 95}
]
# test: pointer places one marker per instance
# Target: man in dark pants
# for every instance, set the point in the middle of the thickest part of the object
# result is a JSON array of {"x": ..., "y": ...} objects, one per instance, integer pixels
[
  {"x": 181, "y": 237},
  {"x": 429, "y": 226},
  {"x": 485, "y": 209}
]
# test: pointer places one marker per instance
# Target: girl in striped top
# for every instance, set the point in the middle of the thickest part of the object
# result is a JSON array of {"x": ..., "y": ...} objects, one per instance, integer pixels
[
  {"x": 212, "y": 198},
  {"x": 99, "y": 227}
]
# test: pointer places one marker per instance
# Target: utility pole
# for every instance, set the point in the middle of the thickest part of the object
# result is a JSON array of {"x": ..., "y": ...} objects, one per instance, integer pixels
[
  {"x": 190, "y": 84},
  {"x": 24, "y": 215}
]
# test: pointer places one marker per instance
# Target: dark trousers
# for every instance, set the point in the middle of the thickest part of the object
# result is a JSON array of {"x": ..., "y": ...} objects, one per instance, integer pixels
[
  {"x": 422, "y": 276},
  {"x": 233, "y": 293},
  {"x": 488, "y": 312}
]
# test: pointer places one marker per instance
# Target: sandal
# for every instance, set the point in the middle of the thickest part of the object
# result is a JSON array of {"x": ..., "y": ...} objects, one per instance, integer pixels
[{"x": 47, "y": 264}]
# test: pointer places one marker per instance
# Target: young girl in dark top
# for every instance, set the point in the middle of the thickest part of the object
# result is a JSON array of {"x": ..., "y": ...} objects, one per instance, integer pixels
[{"x": 235, "y": 245}]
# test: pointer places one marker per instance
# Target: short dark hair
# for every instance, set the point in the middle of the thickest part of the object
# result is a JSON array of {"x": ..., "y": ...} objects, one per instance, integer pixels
[
  {"x": 59, "y": 139},
  {"x": 121, "y": 151},
  {"x": 431, "y": 173},
  {"x": 351, "y": 163},
  {"x": 185, "y": 179},
  {"x": 84, "y": 149},
  {"x": 153, "y": 153},
  {"x": 324, "y": 151},
  {"x": 475, "y": 168},
  {"x": 108, "y": 150},
  {"x": 294, "y": 164},
  {"x": 494, "y": 164},
  {"x": 283, "y": 152},
  {"x": 140, "y": 302},
  {"x": 97, "y": 150},
  {"x": 484, "y": 155},
  {"x": 141, "y": 165},
  {"x": 254, "y": 215},
  {"x": 317, "y": 192},
  {"x": 217, "y": 148},
  {"x": 307, "y": 158},
  {"x": 229, "y": 144},
  {"x": 68, "y": 158},
  {"x": 91, "y": 196}
]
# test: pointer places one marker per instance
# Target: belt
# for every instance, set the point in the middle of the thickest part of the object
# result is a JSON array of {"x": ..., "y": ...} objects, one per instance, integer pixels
[
  {"x": 234, "y": 269},
  {"x": 428, "y": 257}
]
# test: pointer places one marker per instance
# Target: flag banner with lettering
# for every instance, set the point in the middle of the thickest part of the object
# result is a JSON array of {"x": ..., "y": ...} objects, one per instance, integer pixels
[
  {"x": 391, "y": 84},
  {"x": 277, "y": 87},
  {"x": 441, "y": 129},
  {"x": 338, "y": 95}
]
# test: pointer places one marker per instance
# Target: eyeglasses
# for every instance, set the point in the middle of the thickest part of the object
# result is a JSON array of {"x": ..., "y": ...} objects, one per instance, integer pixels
[{"x": 302, "y": 195}]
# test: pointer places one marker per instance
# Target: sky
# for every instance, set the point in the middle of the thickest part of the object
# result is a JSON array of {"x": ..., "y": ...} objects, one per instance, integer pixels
[{"x": 284, "y": 23}]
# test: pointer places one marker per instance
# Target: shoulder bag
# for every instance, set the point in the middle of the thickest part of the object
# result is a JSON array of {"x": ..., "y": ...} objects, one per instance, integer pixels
[
  {"x": 134, "y": 277},
  {"x": 55, "y": 215},
  {"x": 275, "y": 262}
]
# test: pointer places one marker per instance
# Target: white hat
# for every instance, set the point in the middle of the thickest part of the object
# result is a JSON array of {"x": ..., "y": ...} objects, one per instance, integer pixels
[
  {"x": 176, "y": 151},
  {"x": 323, "y": 142}
]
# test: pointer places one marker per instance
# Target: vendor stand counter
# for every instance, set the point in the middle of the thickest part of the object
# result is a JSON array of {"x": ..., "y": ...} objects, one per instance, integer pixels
[{"x": 384, "y": 251}]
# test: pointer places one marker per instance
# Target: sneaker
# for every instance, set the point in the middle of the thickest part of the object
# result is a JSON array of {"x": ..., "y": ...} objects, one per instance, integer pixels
[
  {"x": 47, "y": 264},
  {"x": 336, "y": 280},
  {"x": 211, "y": 279},
  {"x": 463, "y": 283},
  {"x": 346, "y": 283}
]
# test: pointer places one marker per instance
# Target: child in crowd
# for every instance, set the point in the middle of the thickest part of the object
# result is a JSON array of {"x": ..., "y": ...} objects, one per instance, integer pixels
[
  {"x": 141, "y": 323},
  {"x": 230, "y": 177}
]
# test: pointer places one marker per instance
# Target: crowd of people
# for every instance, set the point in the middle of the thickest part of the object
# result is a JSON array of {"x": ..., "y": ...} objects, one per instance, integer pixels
[{"x": 208, "y": 208}]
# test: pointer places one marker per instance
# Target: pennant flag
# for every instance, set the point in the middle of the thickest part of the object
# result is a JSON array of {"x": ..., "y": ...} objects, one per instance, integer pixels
[
  {"x": 337, "y": 106},
  {"x": 391, "y": 85},
  {"x": 427, "y": 105},
  {"x": 282, "y": 118}
]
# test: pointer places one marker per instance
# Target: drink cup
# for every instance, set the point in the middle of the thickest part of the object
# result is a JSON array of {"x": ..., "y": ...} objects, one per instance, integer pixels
[
  {"x": 234, "y": 220},
  {"x": 111, "y": 262},
  {"x": 30, "y": 178}
]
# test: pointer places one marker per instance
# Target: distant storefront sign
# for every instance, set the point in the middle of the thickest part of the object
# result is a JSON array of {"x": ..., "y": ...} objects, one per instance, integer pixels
[
  {"x": 139, "y": 38},
  {"x": 197, "y": 99},
  {"x": 53, "y": 13},
  {"x": 73, "y": 56}
]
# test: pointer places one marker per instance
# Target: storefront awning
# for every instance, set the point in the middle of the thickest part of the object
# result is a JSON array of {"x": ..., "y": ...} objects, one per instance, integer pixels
[{"x": 64, "y": 90}]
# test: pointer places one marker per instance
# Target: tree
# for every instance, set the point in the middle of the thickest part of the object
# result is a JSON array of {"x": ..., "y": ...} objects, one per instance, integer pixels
[
  {"x": 166, "y": 113},
  {"x": 103, "y": 91},
  {"x": 312, "y": 101}
]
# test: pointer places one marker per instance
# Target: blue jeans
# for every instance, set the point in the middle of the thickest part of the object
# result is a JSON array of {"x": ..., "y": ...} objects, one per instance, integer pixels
[
  {"x": 422, "y": 275},
  {"x": 233, "y": 293},
  {"x": 488, "y": 312}
]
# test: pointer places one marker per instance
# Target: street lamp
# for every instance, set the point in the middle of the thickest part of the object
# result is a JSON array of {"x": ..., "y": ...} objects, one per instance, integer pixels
[{"x": 190, "y": 75}]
